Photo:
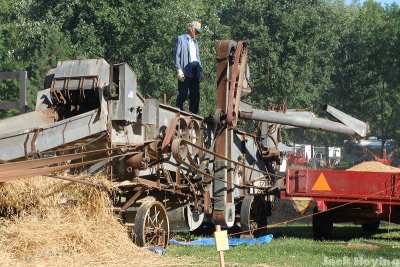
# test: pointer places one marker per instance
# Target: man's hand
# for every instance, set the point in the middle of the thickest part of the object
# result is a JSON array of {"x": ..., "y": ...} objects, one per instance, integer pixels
[{"x": 179, "y": 75}]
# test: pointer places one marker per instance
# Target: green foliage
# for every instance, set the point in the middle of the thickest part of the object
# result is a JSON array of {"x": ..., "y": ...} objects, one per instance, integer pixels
[
  {"x": 291, "y": 45},
  {"x": 366, "y": 73},
  {"x": 305, "y": 52}
]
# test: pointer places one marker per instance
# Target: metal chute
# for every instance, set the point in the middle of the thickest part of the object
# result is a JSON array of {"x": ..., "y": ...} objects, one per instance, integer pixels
[{"x": 349, "y": 126}]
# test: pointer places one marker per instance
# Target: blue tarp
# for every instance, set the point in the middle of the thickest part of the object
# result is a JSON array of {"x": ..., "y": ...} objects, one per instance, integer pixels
[
  {"x": 157, "y": 250},
  {"x": 209, "y": 241}
]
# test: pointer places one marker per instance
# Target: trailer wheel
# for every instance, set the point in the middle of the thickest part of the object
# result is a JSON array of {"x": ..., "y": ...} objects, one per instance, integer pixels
[
  {"x": 151, "y": 225},
  {"x": 371, "y": 227},
  {"x": 253, "y": 215},
  {"x": 322, "y": 225}
]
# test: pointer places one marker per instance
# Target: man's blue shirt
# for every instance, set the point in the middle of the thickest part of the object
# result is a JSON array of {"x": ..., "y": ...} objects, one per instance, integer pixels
[{"x": 182, "y": 56}]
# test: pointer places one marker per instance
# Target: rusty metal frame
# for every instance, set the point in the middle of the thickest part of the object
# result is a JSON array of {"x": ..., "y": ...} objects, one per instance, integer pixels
[
  {"x": 15, "y": 170},
  {"x": 228, "y": 97},
  {"x": 236, "y": 83},
  {"x": 132, "y": 199}
]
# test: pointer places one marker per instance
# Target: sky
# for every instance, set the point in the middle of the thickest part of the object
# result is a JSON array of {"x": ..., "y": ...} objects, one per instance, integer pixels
[{"x": 383, "y": 2}]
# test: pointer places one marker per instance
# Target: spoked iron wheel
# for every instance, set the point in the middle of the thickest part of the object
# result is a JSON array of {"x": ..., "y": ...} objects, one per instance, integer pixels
[
  {"x": 151, "y": 225},
  {"x": 194, "y": 136},
  {"x": 181, "y": 129},
  {"x": 253, "y": 215}
]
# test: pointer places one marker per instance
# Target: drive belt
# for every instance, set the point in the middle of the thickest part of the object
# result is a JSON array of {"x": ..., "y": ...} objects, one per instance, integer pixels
[
  {"x": 180, "y": 157},
  {"x": 230, "y": 160}
]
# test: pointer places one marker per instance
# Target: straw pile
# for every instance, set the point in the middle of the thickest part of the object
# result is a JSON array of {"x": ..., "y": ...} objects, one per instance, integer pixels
[
  {"x": 48, "y": 222},
  {"x": 373, "y": 166}
]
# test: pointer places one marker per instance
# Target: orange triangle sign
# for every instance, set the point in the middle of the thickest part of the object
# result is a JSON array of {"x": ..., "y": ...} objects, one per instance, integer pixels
[{"x": 321, "y": 184}]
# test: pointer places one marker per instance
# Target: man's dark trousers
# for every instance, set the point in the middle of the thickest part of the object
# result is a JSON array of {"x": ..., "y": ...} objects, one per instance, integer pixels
[{"x": 189, "y": 86}]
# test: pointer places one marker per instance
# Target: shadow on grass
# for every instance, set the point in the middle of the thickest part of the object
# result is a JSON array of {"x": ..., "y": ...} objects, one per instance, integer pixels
[{"x": 341, "y": 232}]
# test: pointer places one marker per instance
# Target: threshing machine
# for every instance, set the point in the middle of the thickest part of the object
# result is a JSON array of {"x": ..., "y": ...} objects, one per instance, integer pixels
[{"x": 174, "y": 170}]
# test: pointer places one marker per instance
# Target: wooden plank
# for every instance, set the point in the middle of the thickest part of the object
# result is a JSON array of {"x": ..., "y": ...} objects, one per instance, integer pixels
[{"x": 10, "y": 105}]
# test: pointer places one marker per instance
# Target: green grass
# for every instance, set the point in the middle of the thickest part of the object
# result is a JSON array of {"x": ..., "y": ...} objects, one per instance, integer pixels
[{"x": 293, "y": 246}]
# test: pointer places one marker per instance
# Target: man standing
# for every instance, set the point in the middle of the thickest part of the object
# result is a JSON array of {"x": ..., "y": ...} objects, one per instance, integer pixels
[{"x": 188, "y": 67}]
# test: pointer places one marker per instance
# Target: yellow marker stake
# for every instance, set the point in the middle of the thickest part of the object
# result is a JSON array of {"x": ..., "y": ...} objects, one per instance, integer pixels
[{"x": 221, "y": 243}]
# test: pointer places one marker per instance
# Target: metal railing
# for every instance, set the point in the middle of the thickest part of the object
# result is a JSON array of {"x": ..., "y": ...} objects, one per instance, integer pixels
[{"x": 22, "y": 77}]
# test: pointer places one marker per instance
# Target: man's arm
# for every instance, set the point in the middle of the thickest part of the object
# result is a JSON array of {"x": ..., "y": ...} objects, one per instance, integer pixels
[
  {"x": 177, "y": 60},
  {"x": 177, "y": 53}
]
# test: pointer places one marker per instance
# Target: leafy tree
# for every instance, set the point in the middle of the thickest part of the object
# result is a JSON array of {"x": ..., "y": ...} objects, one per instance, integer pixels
[
  {"x": 305, "y": 52},
  {"x": 367, "y": 67}
]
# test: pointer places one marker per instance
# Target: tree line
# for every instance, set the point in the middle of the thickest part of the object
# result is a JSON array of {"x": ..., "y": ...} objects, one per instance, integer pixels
[{"x": 304, "y": 52}]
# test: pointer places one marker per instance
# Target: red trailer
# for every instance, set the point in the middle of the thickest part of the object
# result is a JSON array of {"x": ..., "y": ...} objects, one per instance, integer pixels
[{"x": 361, "y": 197}]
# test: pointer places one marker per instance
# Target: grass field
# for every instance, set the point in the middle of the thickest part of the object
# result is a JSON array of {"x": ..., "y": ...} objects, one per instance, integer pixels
[{"x": 293, "y": 246}]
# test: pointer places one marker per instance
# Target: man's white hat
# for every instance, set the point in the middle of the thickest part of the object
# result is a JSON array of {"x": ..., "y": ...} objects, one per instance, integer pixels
[{"x": 197, "y": 26}]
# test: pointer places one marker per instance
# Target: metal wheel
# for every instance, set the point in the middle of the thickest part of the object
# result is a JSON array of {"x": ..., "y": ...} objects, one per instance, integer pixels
[
  {"x": 151, "y": 225},
  {"x": 194, "y": 136},
  {"x": 253, "y": 215},
  {"x": 179, "y": 149},
  {"x": 181, "y": 129}
]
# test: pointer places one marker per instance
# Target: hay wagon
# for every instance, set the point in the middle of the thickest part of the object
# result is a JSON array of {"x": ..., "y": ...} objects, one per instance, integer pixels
[{"x": 362, "y": 197}]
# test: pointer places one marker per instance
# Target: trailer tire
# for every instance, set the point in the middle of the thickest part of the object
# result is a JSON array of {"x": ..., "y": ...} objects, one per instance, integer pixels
[
  {"x": 151, "y": 225},
  {"x": 371, "y": 227},
  {"x": 322, "y": 225}
]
